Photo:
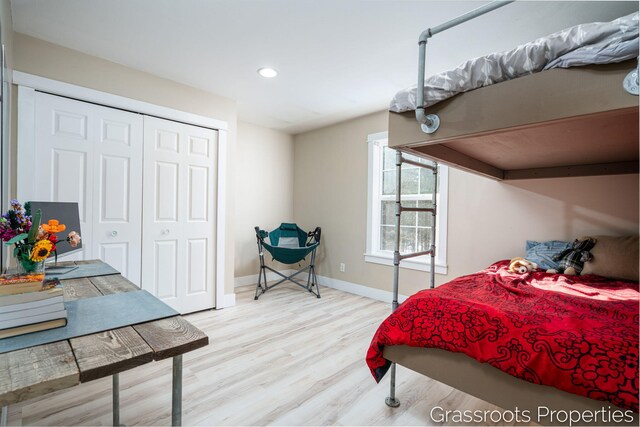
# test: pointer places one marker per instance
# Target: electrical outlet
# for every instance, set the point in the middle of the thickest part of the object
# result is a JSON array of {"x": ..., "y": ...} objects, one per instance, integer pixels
[{"x": 342, "y": 267}]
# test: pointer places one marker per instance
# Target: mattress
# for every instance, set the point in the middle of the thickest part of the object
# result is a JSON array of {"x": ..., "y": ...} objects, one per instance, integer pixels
[
  {"x": 577, "y": 334},
  {"x": 585, "y": 44}
]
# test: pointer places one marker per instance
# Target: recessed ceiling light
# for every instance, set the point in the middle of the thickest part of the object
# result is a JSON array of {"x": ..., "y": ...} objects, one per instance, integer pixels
[{"x": 267, "y": 72}]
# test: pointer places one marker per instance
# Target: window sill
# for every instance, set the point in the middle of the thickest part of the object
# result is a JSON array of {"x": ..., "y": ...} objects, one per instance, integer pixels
[{"x": 418, "y": 263}]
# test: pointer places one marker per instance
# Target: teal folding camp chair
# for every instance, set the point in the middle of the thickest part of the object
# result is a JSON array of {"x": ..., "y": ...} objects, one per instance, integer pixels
[{"x": 288, "y": 244}]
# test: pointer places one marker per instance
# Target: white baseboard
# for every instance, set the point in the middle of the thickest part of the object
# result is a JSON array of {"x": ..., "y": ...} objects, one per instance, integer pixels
[
  {"x": 329, "y": 282},
  {"x": 253, "y": 278},
  {"x": 353, "y": 288}
]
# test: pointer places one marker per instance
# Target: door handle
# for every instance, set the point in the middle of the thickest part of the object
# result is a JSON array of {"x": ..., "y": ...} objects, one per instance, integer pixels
[
  {"x": 114, "y": 233},
  {"x": 166, "y": 231}
]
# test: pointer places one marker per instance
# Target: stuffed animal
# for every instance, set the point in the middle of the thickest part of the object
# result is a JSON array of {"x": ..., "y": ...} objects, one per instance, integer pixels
[
  {"x": 572, "y": 260},
  {"x": 520, "y": 265}
]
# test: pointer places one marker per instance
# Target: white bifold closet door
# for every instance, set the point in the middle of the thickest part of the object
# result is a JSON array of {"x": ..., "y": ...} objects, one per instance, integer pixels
[
  {"x": 92, "y": 155},
  {"x": 178, "y": 227}
]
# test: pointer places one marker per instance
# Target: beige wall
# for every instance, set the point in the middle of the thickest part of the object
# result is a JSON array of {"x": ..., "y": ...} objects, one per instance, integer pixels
[
  {"x": 487, "y": 220},
  {"x": 41, "y": 58},
  {"x": 264, "y": 190}
]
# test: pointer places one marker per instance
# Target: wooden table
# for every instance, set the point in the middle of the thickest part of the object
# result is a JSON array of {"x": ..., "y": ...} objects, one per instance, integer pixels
[{"x": 38, "y": 370}]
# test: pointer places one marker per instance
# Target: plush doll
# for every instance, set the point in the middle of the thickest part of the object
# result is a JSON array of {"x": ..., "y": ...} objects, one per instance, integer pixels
[
  {"x": 520, "y": 265},
  {"x": 572, "y": 260}
]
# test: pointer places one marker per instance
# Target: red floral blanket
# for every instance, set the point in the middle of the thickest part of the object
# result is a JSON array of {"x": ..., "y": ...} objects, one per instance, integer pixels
[{"x": 579, "y": 334}]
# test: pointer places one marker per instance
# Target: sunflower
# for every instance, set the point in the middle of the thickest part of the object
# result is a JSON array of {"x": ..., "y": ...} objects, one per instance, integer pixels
[{"x": 41, "y": 250}]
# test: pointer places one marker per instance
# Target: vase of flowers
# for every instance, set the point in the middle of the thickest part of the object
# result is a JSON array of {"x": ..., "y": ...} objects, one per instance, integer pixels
[{"x": 33, "y": 241}]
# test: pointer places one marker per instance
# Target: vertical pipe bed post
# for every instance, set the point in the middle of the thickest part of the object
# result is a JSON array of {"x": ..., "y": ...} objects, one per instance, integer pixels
[
  {"x": 398, "y": 211},
  {"x": 433, "y": 227},
  {"x": 391, "y": 400}
]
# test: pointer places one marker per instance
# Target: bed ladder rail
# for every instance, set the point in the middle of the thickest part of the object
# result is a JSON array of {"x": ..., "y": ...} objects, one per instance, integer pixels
[
  {"x": 397, "y": 256},
  {"x": 399, "y": 209}
]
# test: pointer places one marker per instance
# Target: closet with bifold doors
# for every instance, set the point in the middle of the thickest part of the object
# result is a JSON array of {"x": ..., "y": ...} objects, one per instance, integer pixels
[{"x": 146, "y": 191}]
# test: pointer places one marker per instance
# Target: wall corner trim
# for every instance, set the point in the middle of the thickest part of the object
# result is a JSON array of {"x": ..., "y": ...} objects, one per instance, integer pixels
[{"x": 229, "y": 300}]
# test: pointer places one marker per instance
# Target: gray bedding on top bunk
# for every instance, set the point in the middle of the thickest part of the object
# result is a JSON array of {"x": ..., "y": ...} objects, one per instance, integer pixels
[{"x": 585, "y": 44}]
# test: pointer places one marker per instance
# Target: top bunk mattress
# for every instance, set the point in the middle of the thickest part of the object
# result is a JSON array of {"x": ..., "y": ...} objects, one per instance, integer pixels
[{"x": 585, "y": 44}]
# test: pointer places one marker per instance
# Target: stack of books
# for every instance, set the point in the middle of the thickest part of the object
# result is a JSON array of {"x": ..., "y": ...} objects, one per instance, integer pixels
[{"x": 27, "y": 306}]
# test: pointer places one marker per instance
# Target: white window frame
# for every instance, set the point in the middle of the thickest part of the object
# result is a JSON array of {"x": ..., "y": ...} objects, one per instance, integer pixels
[{"x": 373, "y": 254}]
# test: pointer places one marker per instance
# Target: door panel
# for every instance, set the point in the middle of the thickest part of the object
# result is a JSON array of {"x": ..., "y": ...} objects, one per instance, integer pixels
[
  {"x": 114, "y": 194},
  {"x": 117, "y": 236},
  {"x": 64, "y": 155},
  {"x": 167, "y": 179},
  {"x": 116, "y": 255},
  {"x": 93, "y": 155},
  {"x": 197, "y": 266},
  {"x": 165, "y": 269},
  {"x": 178, "y": 263},
  {"x": 198, "y": 194}
]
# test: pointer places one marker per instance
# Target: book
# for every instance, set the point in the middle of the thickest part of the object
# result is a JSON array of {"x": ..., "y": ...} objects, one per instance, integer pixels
[
  {"x": 6, "y": 324},
  {"x": 11, "y": 284},
  {"x": 43, "y": 295},
  {"x": 35, "y": 327},
  {"x": 58, "y": 305}
]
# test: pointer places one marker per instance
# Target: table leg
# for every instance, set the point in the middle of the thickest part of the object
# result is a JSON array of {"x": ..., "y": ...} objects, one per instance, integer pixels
[
  {"x": 4, "y": 416},
  {"x": 176, "y": 392},
  {"x": 116, "y": 400}
]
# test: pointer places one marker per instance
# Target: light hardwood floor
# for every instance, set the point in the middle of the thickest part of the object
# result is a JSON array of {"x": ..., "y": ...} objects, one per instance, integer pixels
[{"x": 287, "y": 359}]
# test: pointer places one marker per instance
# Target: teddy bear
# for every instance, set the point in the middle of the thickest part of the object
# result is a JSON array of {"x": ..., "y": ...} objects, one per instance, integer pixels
[
  {"x": 520, "y": 265},
  {"x": 572, "y": 260}
]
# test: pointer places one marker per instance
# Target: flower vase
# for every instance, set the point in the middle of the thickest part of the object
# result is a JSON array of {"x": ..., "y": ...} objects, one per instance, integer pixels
[
  {"x": 25, "y": 265},
  {"x": 28, "y": 267}
]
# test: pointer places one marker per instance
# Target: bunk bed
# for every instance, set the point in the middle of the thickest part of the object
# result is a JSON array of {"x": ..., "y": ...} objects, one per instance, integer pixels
[
  {"x": 557, "y": 122},
  {"x": 550, "y": 123}
]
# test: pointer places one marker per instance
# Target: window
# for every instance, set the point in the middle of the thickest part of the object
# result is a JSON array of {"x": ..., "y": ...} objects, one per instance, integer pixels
[{"x": 415, "y": 227}]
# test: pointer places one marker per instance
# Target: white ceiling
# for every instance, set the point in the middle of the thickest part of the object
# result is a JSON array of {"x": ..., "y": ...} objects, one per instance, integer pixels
[{"x": 337, "y": 59}]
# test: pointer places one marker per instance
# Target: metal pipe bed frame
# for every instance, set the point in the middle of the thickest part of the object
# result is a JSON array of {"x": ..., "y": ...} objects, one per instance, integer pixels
[{"x": 429, "y": 124}]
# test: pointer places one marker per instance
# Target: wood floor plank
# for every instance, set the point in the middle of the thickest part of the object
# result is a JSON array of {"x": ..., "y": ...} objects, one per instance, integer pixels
[
  {"x": 35, "y": 371},
  {"x": 75, "y": 289},
  {"x": 111, "y": 352},
  {"x": 113, "y": 284},
  {"x": 171, "y": 337},
  {"x": 282, "y": 360}
]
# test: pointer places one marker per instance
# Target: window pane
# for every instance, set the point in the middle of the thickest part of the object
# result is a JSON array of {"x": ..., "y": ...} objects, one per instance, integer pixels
[
  {"x": 407, "y": 239},
  {"x": 417, "y": 159},
  {"x": 387, "y": 238},
  {"x": 408, "y": 218},
  {"x": 388, "y": 158},
  {"x": 388, "y": 216},
  {"x": 389, "y": 182},
  {"x": 427, "y": 181},
  {"x": 410, "y": 180},
  {"x": 424, "y": 239},
  {"x": 425, "y": 219}
]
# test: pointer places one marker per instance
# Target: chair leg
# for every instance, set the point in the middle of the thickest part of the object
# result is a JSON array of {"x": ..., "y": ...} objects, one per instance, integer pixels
[
  {"x": 315, "y": 281},
  {"x": 312, "y": 275},
  {"x": 259, "y": 284}
]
